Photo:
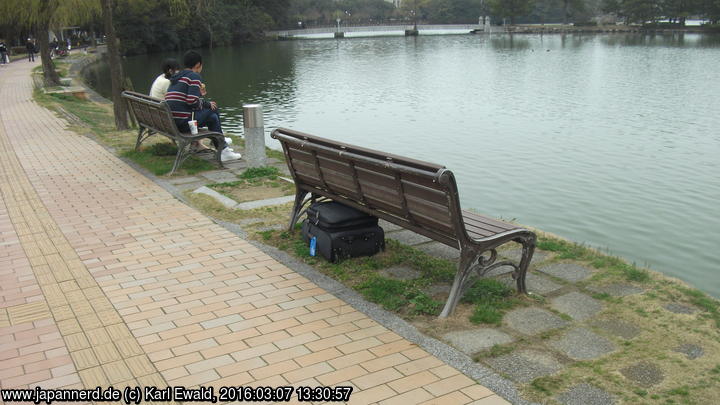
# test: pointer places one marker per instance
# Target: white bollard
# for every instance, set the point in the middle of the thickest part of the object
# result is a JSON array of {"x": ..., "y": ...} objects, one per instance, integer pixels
[{"x": 254, "y": 135}]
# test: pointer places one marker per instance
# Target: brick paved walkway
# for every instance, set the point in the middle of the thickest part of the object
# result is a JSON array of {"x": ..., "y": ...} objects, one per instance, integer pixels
[{"x": 106, "y": 279}]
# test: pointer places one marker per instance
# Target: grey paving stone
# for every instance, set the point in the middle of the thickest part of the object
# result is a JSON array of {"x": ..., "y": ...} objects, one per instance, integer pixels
[
  {"x": 617, "y": 328},
  {"x": 525, "y": 365},
  {"x": 644, "y": 374},
  {"x": 407, "y": 237},
  {"x": 250, "y": 221},
  {"x": 401, "y": 273},
  {"x": 227, "y": 202},
  {"x": 184, "y": 180},
  {"x": 475, "y": 340},
  {"x": 535, "y": 283},
  {"x": 680, "y": 308},
  {"x": 567, "y": 271},
  {"x": 578, "y": 306},
  {"x": 388, "y": 226},
  {"x": 616, "y": 289},
  {"x": 586, "y": 394},
  {"x": 532, "y": 321},
  {"x": 691, "y": 351},
  {"x": 516, "y": 254},
  {"x": 438, "y": 290},
  {"x": 582, "y": 344},
  {"x": 220, "y": 176},
  {"x": 437, "y": 249},
  {"x": 236, "y": 166},
  {"x": 191, "y": 186},
  {"x": 251, "y": 205}
]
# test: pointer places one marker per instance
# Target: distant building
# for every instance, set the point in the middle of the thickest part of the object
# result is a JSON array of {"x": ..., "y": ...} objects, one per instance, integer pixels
[{"x": 395, "y": 3}]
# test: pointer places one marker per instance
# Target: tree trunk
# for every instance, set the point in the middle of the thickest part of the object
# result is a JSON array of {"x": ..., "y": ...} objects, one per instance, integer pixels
[
  {"x": 116, "y": 70},
  {"x": 566, "y": 12},
  {"x": 43, "y": 32},
  {"x": 50, "y": 76}
]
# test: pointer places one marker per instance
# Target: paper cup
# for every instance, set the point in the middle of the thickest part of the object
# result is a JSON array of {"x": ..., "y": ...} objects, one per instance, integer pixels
[{"x": 193, "y": 127}]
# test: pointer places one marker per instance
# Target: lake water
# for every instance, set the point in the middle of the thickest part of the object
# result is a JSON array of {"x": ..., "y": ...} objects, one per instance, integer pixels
[{"x": 608, "y": 140}]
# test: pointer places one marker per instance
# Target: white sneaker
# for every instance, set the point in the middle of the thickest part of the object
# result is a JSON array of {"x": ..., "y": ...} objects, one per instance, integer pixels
[
  {"x": 228, "y": 154},
  {"x": 228, "y": 140}
]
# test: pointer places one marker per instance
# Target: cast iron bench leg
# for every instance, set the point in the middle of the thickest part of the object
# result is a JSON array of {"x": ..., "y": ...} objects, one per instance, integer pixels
[
  {"x": 528, "y": 244},
  {"x": 297, "y": 207},
  {"x": 182, "y": 154},
  {"x": 467, "y": 257},
  {"x": 140, "y": 139}
]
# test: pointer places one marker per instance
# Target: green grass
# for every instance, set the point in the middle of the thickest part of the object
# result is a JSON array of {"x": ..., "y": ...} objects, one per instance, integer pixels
[
  {"x": 256, "y": 172},
  {"x": 681, "y": 391},
  {"x": 361, "y": 273},
  {"x": 486, "y": 314},
  {"x": 546, "y": 385},
  {"x": 395, "y": 294},
  {"x": 702, "y": 300},
  {"x": 574, "y": 251},
  {"x": 500, "y": 350},
  {"x": 491, "y": 298},
  {"x": 162, "y": 164},
  {"x": 640, "y": 393}
]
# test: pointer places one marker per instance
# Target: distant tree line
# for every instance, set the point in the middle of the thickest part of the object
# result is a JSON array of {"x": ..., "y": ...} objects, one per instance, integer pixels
[
  {"x": 676, "y": 11},
  {"x": 310, "y": 13},
  {"x": 325, "y": 12},
  {"x": 159, "y": 25}
]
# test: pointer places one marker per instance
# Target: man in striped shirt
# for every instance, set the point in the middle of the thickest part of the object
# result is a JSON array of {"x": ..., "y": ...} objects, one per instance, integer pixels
[{"x": 185, "y": 99}]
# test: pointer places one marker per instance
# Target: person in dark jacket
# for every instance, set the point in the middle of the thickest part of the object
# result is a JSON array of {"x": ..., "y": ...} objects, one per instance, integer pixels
[
  {"x": 30, "y": 46},
  {"x": 3, "y": 53},
  {"x": 185, "y": 98}
]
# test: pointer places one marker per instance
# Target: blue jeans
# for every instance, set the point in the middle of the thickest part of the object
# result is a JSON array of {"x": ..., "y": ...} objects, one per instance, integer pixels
[{"x": 206, "y": 118}]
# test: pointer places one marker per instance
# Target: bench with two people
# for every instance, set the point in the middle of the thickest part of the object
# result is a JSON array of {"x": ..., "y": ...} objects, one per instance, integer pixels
[{"x": 177, "y": 109}]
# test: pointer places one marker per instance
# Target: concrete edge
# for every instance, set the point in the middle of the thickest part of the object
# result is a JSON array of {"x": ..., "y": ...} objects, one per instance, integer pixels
[
  {"x": 251, "y": 205},
  {"x": 227, "y": 202}
]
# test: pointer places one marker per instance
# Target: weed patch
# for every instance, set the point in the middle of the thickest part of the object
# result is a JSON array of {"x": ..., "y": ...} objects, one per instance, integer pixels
[
  {"x": 162, "y": 164},
  {"x": 491, "y": 298},
  {"x": 546, "y": 385},
  {"x": 395, "y": 294},
  {"x": 255, "y": 172}
]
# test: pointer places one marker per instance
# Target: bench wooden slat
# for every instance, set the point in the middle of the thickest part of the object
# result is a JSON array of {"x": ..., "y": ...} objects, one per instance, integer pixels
[
  {"x": 489, "y": 223},
  {"x": 483, "y": 229}
]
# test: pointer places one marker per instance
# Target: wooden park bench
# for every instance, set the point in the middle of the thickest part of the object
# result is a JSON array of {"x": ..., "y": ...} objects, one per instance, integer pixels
[
  {"x": 154, "y": 117},
  {"x": 416, "y": 195}
]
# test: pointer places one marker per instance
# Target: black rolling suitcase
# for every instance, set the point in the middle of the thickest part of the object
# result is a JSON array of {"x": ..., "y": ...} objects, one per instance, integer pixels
[{"x": 341, "y": 231}]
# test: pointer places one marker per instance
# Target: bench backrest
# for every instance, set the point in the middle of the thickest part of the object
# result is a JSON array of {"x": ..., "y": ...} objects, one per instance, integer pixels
[
  {"x": 151, "y": 113},
  {"x": 416, "y": 195}
]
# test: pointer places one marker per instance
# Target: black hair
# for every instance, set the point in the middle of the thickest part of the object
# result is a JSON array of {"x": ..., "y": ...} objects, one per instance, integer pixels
[
  {"x": 191, "y": 59},
  {"x": 169, "y": 67}
]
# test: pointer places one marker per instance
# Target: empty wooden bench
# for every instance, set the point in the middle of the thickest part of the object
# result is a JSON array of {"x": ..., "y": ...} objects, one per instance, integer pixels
[
  {"x": 416, "y": 195},
  {"x": 154, "y": 117}
]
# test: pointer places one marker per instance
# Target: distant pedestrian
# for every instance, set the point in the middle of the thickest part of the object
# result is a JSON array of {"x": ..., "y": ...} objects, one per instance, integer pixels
[
  {"x": 3, "y": 53},
  {"x": 30, "y": 46}
]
